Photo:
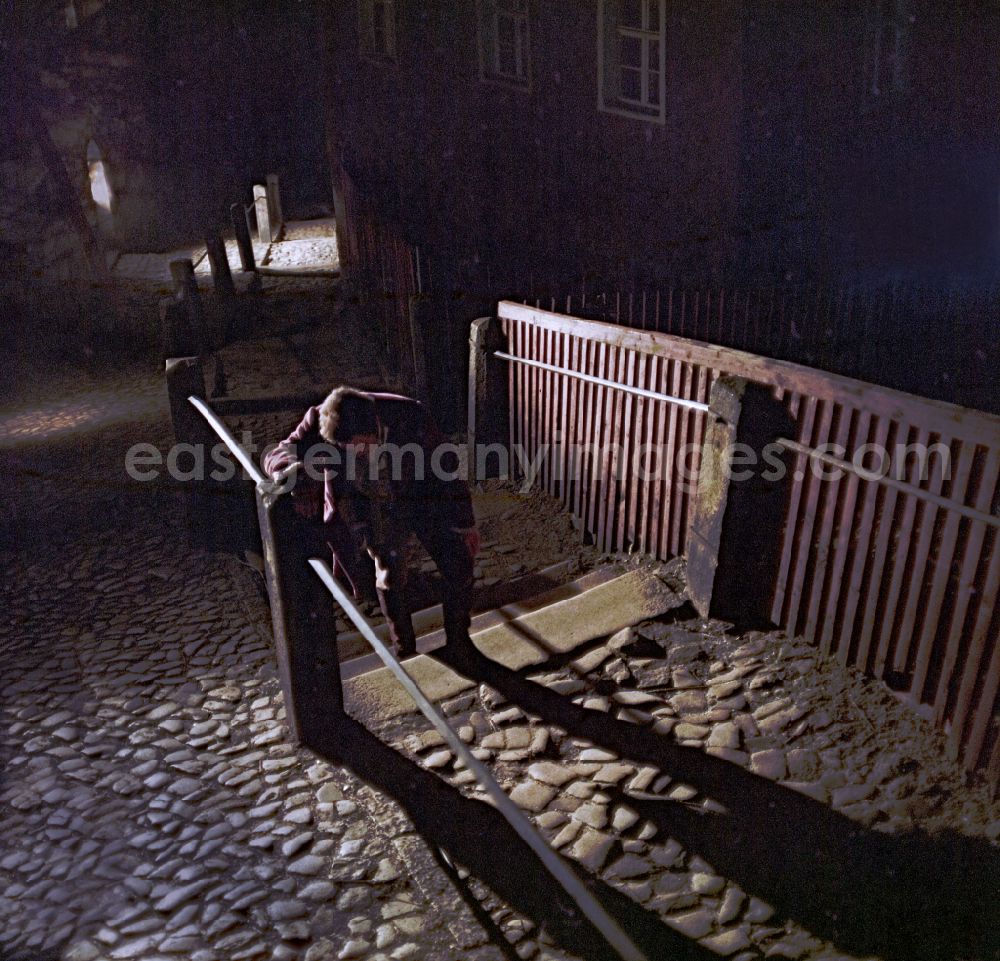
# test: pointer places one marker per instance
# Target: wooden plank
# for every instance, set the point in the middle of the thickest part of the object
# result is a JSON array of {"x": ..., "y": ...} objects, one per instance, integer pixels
[
  {"x": 599, "y": 424},
  {"x": 830, "y": 495},
  {"x": 703, "y": 388},
  {"x": 521, "y": 330},
  {"x": 844, "y": 527},
  {"x": 510, "y": 328},
  {"x": 609, "y": 456},
  {"x": 942, "y": 568},
  {"x": 590, "y": 431},
  {"x": 791, "y": 543},
  {"x": 534, "y": 395},
  {"x": 555, "y": 393},
  {"x": 864, "y": 533},
  {"x": 984, "y": 713},
  {"x": 582, "y": 431},
  {"x": 566, "y": 389},
  {"x": 639, "y": 486},
  {"x": 972, "y": 556},
  {"x": 666, "y": 419},
  {"x": 507, "y": 327},
  {"x": 626, "y": 488},
  {"x": 676, "y": 502},
  {"x": 901, "y": 538},
  {"x": 612, "y": 494},
  {"x": 545, "y": 404},
  {"x": 811, "y": 493},
  {"x": 577, "y": 357},
  {"x": 308, "y": 668},
  {"x": 937, "y": 416},
  {"x": 928, "y": 515},
  {"x": 244, "y": 243}
]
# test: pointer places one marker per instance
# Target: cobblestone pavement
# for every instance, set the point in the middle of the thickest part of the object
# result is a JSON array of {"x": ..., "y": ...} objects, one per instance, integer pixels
[
  {"x": 150, "y": 803},
  {"x": 747, "y": 798},
  {"x": 759, "y": 801}
]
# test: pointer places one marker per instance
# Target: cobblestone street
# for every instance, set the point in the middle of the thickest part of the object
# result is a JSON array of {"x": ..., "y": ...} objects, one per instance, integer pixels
[
  {"x": 150, "y": 803},
  {"x": 731, "y": 796}
]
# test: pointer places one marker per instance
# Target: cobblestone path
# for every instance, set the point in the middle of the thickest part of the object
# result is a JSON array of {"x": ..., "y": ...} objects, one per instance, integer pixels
[
  {"x": 744, "y": 798},
  {"x": 756, "y": 800},
  {"x": 150, "y": 805}
]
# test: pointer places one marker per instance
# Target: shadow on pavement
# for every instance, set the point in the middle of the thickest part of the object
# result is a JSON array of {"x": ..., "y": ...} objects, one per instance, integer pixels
[
  {"x": 477, "y": 836},
  {"x": 905, "y": 897}
]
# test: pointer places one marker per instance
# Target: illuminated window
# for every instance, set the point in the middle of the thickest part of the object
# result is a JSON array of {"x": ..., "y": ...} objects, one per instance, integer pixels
[
  {"x": 100, "y": 189},
  {"x": 631, "y": 52},
  {"x": 504, "y": 42},
  {"x": 377, "y": 29}
]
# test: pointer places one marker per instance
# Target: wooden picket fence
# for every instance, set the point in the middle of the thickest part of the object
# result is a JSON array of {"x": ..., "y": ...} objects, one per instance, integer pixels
[
  {"x": 383, "y": 269},
  {"x": 900, "y": 581},
  {"x": 869, "y": 331}
]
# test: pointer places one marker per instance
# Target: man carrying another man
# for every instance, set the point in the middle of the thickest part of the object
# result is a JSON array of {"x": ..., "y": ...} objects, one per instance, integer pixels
[{"x": 369, "y": 467}]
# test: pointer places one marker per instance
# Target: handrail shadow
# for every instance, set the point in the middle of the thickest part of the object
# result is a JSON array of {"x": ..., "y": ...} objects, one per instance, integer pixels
[
  {"x": 477, "y": 836},
  {"x": 906, "y": 897}
]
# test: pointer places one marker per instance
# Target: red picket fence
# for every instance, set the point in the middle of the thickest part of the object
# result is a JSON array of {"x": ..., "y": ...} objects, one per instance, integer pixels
[{"x": 899, "y": 581}]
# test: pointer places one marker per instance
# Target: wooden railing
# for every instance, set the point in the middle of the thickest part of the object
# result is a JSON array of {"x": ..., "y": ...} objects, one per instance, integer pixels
[{"x": 898, "y": 580}]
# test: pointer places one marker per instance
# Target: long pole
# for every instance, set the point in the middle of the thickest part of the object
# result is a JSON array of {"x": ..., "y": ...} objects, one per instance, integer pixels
[
  {"x": 227, "y": 438},
  {"x": 570, "y": 883}
]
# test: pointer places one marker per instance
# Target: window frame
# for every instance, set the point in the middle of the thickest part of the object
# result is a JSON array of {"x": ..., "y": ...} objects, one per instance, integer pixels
[
  {"x": 885, "y": 20},
  {"x": 367, "y": 10},
  {"x": 610, "y": 33},
  {"x": 488, "y": 15}
]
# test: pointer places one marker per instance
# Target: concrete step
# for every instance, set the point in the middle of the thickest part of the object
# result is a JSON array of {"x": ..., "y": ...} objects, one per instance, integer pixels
[
  {"x": 495, "y": 605},
  {"x": 518, "y": 641}
]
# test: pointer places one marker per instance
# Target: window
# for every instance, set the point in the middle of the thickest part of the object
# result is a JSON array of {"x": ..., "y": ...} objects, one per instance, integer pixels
[
  {"x": 631, "y": 56},
  {"x": 504, "y": 43},
  {"x": 886, "y": 38},
  {"x": 100, "y": 189},
  {"x": 377, "y": 29}
]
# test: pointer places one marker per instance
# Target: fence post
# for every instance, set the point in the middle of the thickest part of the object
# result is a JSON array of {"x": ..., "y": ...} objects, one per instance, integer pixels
[
  {"x": 174, "y": 334},
  {"x": 260, "y": 205},
  {"x": 488, "y": 393},
  {"x": 740, "y": 508},
  {"x": 222, "y": 280},
  {"x": 274, "y": 206},
  {"x": 302, "y": 615},
  {"x": 186, "y": 292},
  {"x": 244, "y": 243},
  {"x": 185, "y": 377},
  {"x": 218, "y": 260}
]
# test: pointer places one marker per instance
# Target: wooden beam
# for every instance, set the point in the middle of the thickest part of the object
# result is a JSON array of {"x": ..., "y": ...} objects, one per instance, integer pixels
[
  {"x": 488, "y": 387},
  {"x": 739, "y": 512},
  {"x": 244, "y": 242},
  {"x": 936, "y": 415},
  {"x": 303, "y": 619}
]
